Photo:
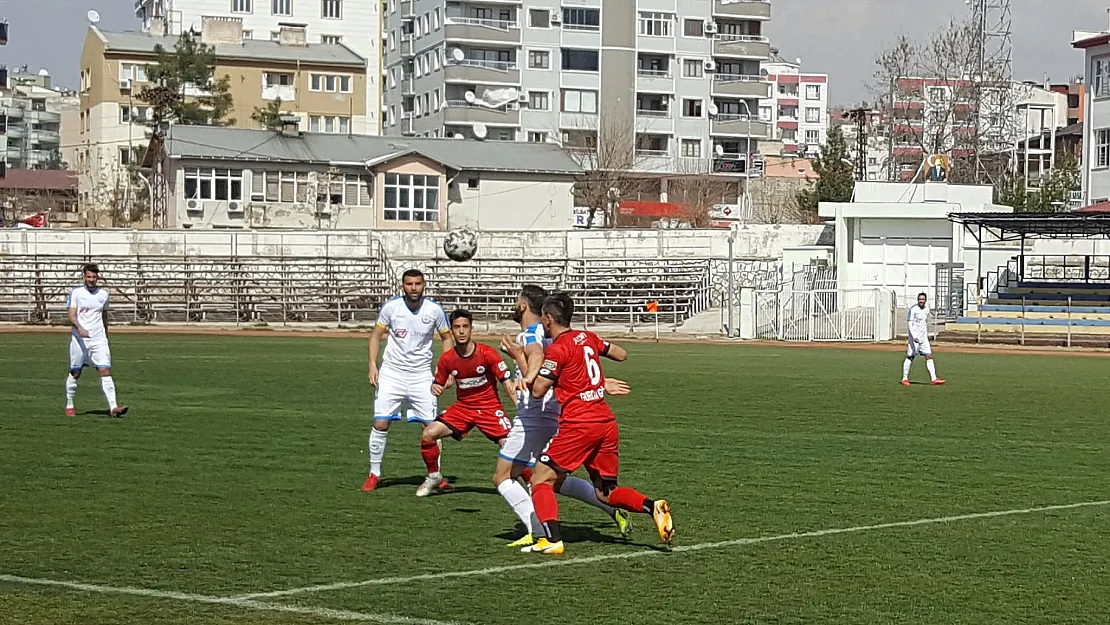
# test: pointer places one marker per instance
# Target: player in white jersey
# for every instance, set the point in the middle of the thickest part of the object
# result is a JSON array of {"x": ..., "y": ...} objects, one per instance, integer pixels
[
  {"x": 536, "y": 422},
  {"x": 917, "y": 320},
  {"x": 405, "y": 378},
  {"x": 88, "y": 342}
]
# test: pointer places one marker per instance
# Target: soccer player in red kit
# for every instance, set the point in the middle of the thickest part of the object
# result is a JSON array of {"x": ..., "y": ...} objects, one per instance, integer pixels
[
  {"x": 477, "y": 370},
  {"x": 588, "y": 434}
]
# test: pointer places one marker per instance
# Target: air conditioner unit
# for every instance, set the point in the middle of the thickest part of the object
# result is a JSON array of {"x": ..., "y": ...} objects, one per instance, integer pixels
[
  {"x": 522, "y": 98},
  {"x": 125, "y": 84},
  {"x": 710, "y": 66},
  {"x": 556, "y": 16},
  {"x": 193, "y": 206},
  {"x": 323, "y": 209},
  {"x": 234, "y": 207},
  {"x": 710, "y": 28}
]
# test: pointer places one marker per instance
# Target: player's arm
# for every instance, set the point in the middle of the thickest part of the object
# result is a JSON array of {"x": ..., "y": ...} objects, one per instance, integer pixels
[
  {"x": 503, "y": 372},
  {"x": 445, "y": 331},
  {"x": 613, "y": 351},
  {"x": 72, "y": 306},
  {"x": 441, "y": 377},
  {"x": 375, "y": 347},
  {"x": 104, "y": 316},
  {"x": 909, "y": 325},
  {"x": 549, "y": 372}
]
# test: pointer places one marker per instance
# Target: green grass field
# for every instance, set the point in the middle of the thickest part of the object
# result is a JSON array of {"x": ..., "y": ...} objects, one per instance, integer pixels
[{"x": 237, "y": 472}]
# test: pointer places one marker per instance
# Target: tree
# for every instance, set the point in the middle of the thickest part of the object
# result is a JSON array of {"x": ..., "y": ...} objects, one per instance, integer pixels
[
  {"x": 607, "y": 154},
  {"x": 54, "y": 162},
  {"x": 835, "y": 181},
  {"x": 183, "y": 88},
  {"x": 270, "y": 116},
  {"x": 1053, "y": 194}
]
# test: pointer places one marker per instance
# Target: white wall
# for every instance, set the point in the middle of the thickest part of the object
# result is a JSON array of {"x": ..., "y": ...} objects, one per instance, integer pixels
[{"x": 510, "y": 202}]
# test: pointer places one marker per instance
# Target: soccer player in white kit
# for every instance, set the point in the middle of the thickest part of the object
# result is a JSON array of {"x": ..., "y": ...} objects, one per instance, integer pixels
[
  {"x": 88, "y": 342},
  {"x": 536, "y": 422},
  {"x": 917, "y": 319},
  {"x": 405, "y": 378}
]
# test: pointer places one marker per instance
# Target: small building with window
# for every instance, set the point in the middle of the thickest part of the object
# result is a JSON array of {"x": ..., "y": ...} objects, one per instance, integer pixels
[{"x": 241, "y": 178}]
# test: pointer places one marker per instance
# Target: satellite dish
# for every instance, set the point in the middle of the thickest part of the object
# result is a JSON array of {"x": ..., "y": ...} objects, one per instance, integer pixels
[
  {"x": 93, "y": 16},
  {"x": 719, "y": 149},
  {"x": 798, "y": 60},
  {"x": 469, "y": 97},
  {"x": 457, "y": 54},
  {"x": 458, "y": 135},
  {"x": 44, "y": 72},
  {"x": 712, "y": 109},
  {"x": 480, "y": 131}
]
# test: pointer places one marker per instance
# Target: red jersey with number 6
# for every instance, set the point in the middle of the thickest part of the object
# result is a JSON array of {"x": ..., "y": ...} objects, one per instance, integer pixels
[
  {"x": 573, "y": 362},
  {"x": 476, "y": 376}
]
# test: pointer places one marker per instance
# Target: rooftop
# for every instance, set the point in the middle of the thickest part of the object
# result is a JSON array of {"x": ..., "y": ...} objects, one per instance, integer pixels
[
  {"x": 1089, "y": 222},
  {"x": 38, "y": 180},
  {"x": 250, "y": 49},
  {"x": 241, "y": 144}
]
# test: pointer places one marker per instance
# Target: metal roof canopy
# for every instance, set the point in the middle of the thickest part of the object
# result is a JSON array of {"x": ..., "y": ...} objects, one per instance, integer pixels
[{"x": 1020, "y": 226}]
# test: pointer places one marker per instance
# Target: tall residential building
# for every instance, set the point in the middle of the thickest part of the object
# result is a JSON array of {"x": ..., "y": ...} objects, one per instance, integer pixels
[
  {"x": 683, "y": 78},
  {"x": 797, "y": 107},
  {"x": 31, "y": 123},
  {"x": 323, "y": 84},
  {"x": 1096, "y": 114},
  {"x": 353, "y": 23}
]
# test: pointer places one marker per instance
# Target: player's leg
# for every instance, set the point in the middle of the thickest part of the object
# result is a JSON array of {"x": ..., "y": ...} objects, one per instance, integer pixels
[
  {"x": 911, "y": 351},
  {"x": 544, "y": 478},
  {"x": 101, "y": 358},
  {"x": 926, "y": 350},
  {"x": 77, "y": 360},
  {"x": 513, "y": 461},
  {"x": 430, "y": 437},
  {"x": 424, "y": 409},
  {"x": 388, "y": 398},
  {"x": 604, "y": 466}
]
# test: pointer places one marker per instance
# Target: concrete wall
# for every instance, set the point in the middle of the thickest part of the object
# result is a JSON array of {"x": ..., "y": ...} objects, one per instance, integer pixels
[
  {"x": 510, "y": 202},
  {"x": 757, "y": 241}
]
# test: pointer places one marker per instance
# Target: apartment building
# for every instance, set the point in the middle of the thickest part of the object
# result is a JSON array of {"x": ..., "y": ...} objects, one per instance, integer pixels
[
  {"x": 353, "y": 23},
  {"x": 797, "y": 107},
  {"x": 682, "y": 77},
  {"x": 31, "y": 123},
  {"x": 323, "y": 84},
  {"x": 1096, "y": 113}
]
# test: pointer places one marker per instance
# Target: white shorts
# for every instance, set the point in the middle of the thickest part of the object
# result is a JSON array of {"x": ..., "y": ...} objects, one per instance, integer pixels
[
  {"x": 405, "y": 390},
  {"x": 526, "y": 440},
  {"x": 918, "y": 349},
  {"x": 88, "y": 352}
]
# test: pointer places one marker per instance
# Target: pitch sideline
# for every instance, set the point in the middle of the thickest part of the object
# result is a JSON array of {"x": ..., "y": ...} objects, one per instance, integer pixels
[{"x": 739, "y": 542}]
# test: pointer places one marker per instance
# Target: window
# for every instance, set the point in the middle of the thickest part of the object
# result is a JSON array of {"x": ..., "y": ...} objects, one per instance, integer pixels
[
  {"x": 329, "y": 123},
  {"x": 280, "y": 186},
  {"x": 539, "y": 59},
  {"x": 281, "y": 7},
  {"x": 349, "y": 190},
  {"x": 503, "y": 134},
  {"x": 539, "y": 18},
  {"x": 248, "y": 34},
  {"x": 582, "y": 19},
  {"x": 693, "y": 68},
  {"x": 435, "y": 19},
  {"x": 813, "y": 115},
  {"x": 537, "y": 137},
  {"x": 410, "y": 197},
  {"x": 275, "y": 35},
  {"x": 331, "y": 83},
  {"x": 813, "y": 92},
  {"x": 206, "y": 183},
  {"x": 789, "y": 134},
  {"x": 331, "y": 9},
  {"x": 132, "y": 71},
  {"x": 813, "y": 137},
  {"x": 1102, "y": 148},
  {"x": 242, "y": 6},
  {"x": 655, "y": 24},
  {"x": 576, "y": 101},
  {"x": 789, "y": 90},
  {"x": 691, "y": 148},
  {"x": 135, "y": 114},
  {"x": 693, "y": 28},
  {"x": 128, "y": 156},
  {"x": 331, "y": 39},
  {"x": 539, "y": 101},
  {"x": 1101, "y": 73},
  {"x": 691, "y": 108},
  {"x": 580, "y": 60},
  {"x": 765, "y": 113},
  {"x": 277, "y": 79}
]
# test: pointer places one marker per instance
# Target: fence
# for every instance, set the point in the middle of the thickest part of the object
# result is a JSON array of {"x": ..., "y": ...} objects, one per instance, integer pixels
[{"x": 822, "y": 315}]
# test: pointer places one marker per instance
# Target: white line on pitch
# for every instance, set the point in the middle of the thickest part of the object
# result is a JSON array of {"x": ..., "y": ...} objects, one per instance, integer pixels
[
  {"x": 739, "y": 542},
  {"x": 326, "y": 613}
]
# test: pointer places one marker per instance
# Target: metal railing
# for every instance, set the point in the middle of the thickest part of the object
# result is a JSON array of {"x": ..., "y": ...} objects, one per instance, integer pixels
[
  {"x": 653, "y": 73},
  {"x": 1085, "y": 269},
  {"x": 505, "y": 25},
  {"x": 729, "y": 38},
  {"x": 652, "y": 113},
  {"x": 504, "y": 66},
  {"x": 737, "y": 78}
]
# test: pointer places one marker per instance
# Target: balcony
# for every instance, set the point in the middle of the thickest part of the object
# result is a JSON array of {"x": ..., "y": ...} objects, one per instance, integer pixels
[
  {"x": 406, "y": 45},
  {"x": 406, "y": 9},
  {"x": 462, "y": 112},
  {"x": 654, "y": 80},
  {"x": 15, "y": 132},
  {"x": 50, "y": 137},
  {"x": 742, "y": 46},
  {"x": 406, "y": 124},
  {"x": 12, "y": 112},
  {"x": 285, "y": 93},
  {"x": 743, "y": 9},
  {"x": 739, "y": 125},
  {"x": 741, "y": 86},
  {"x": 476, "y": 71},
  {"x": 474, "y": 29}
]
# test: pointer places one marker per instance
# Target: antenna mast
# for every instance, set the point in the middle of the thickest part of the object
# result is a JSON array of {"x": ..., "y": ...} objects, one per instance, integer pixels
[{"x": 993, "y": 80}]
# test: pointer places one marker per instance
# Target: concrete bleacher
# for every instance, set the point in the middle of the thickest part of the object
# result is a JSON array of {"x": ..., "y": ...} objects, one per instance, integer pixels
[{"x": 1044, "y": 300}]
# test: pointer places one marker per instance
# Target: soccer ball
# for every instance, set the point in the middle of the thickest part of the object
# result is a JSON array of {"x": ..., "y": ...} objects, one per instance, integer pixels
[{"x": 460, "y": 245}]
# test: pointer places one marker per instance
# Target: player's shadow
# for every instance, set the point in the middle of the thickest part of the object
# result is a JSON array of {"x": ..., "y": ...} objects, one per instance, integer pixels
[
  {"x": 96, "y": 413},
  {"x": 581, "y": 533}
]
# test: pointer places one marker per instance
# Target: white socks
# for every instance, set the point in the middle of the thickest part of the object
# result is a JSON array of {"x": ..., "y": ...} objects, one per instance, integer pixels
[
  {"x": 583, "y": 490},
  {"x": 906, "y": 369},
  {"x": 521, "y": 503},
  {"x": 109, "y": 387},
  {"x": 71, "y": 390},
  {"x": 932, "y": 368},
  {"x": 377, "y": 450}
]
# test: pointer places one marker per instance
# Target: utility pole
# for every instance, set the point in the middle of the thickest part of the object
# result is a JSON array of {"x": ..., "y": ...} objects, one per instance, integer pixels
[
  {"x": 862, "y": 118},
  {"x": 993, "y": 81}
]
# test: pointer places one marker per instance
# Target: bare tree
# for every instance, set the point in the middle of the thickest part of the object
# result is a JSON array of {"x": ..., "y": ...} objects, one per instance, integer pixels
[
  {"x": 117, "y": 196},
  {"x": 698, "y": 192}
]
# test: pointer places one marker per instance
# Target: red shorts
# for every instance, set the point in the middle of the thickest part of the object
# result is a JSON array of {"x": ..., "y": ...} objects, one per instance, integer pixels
[
  {"x": 595, "y": 446},
  {"x": 493, "y": 422}
]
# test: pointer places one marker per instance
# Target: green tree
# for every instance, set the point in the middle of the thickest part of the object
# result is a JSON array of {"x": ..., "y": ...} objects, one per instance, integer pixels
[
  {"x": 189, "y": 68},
  {"x": 54, "y": 162},
  {"x": 270, "y": 116},
  {"x": 836, "y": 179},
  {"x": 1053, "y": 194}
]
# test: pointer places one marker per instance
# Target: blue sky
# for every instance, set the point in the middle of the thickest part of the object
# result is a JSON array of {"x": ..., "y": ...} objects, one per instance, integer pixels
[{"x": 837, "y": 37}]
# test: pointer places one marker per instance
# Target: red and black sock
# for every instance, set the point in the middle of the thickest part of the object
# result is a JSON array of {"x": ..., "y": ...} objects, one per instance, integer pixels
[
  {"x": 430, "y": 452},
  {"x": 547, "y": 510},
  {"x": 630, "y": 499}
]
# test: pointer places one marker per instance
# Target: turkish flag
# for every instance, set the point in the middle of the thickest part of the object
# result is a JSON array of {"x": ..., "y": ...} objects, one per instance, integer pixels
[{"x": 36, "y": 221}]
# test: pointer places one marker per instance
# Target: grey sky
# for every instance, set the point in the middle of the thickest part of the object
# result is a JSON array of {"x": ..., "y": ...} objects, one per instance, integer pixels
[{"x": 838, "y": 37}]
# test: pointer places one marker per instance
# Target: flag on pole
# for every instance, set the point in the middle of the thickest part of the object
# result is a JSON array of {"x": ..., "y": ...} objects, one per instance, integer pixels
[
  {"x": 35, "y": 221},
  {"x": 652, "y": 307}
]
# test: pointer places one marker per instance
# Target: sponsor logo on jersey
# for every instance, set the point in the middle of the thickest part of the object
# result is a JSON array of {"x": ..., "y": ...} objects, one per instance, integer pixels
[
  {"x": 400, "y": 333},
  {"x": 480, "y": 369},
  {"x": 467, "y": 383},
  {"x": 427, "y": 319},
  {"x": 549, "y": 364},
  {"x": 594, "y": 394},
  {"x": 500, "y": 366},
  {"x": 580, "y": 338}
]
